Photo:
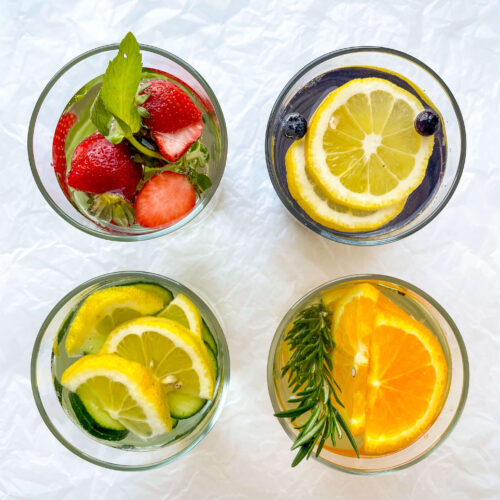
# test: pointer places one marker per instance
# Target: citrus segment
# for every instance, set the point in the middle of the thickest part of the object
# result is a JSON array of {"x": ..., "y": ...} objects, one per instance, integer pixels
[
  {"x": 406, "y": 382},
  {"x": 315, "y": 202},
  {"x": 175, "y": 356},
  {"x": 352, "y": 326},
  {"x": 123, "y": 390},
  {"x": 361, "y": 146},
  {"x": 182, "y": 310},
  {"x": 104, "y": 309}
]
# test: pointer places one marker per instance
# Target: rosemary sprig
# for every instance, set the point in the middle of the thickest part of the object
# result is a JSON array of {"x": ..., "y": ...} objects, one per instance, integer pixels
[{"x": 309, "y": 372}]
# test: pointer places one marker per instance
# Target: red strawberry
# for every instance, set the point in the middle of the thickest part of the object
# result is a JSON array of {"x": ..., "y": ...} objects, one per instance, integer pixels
[
  {"x": 204, "y": 100},
  {"x": 98, "y": 166},
  {"x": 164, "y": 199},
  {"x": 175, "y": 120},
  {"x": 63, "y": 127}
]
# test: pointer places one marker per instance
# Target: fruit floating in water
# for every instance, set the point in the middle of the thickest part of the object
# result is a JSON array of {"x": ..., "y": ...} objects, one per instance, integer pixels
[
  {"x": 294, "y": 126},
  {"x": 427, "y": 122}
]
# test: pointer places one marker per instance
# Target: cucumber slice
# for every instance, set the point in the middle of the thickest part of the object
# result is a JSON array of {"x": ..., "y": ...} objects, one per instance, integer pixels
[
  {"x": 62, "y": 331},
  {"x": 90, "y": 425},
  {"x": 208, "y": 337},
  {"x": 184, "y": 405},
  {"x": 100, "y": 416},
  {"x": 59, "y": 388},
  {"x": 159, "y": 290},
  {"x": 212, "y": 360}
]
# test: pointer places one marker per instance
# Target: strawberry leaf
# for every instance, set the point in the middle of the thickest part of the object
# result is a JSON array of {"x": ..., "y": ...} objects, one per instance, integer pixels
[
  {"x": 116, "y": 133},
  {"x": 120, "y": 84},
  {"x": 143, "y": 112},
  {"x": 111, "y": 207},
  {"x": 141, "y": 98}
]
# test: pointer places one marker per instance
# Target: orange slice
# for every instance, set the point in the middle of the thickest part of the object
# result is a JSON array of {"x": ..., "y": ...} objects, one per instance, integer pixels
[
  {"x": 406, "y": 382},
  {"x": 352, "y": 325}
]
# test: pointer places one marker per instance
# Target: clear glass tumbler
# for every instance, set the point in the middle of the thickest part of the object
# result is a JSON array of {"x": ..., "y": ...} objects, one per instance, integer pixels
[
  {"x": 412, "y": 218},
  {"x": 63, "y": 86},
  {"x": 422, "y": 307},
  {"x": 70, "y": 433}
]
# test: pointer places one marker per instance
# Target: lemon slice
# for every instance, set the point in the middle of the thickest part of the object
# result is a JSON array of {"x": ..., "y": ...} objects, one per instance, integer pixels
[
  {"x": 314, "y": 201},
  {"x": 175, "y": 356},
  {"x": 182, "y": 310},
  {"x": 124, "y": 390},
  {"x": 362, "y": 147},
  {"x": 105, "y": 309}
]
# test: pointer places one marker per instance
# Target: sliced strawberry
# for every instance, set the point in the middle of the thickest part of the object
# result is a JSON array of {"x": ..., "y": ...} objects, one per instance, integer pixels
[
  {"x": 63, "y": 127},
  {"x": 173, "y": 145},
  {"x": 175, "y": 120},
  {"x": 164, "y": 199},
  {"x": 98, "y": 166}
]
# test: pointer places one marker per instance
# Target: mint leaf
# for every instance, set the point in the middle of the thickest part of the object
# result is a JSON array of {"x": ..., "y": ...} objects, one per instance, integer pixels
[
  {"x": 120, "y": 84},
  {"x": 197, "y": 155},
  {"x": 100, "y": 116},
  {"x": 203, "y": 182}
]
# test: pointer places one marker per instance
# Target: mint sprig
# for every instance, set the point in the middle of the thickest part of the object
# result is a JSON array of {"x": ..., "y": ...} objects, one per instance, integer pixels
[
  {"x": 195, "y": 158},
  {"x": 100, "y": 116},
  {"x": 116, "y": 111},
  {"x": 120, "y": 84}
]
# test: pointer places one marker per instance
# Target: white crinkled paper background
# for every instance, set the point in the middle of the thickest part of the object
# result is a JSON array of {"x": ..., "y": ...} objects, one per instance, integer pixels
[{"x": 249, "y": 257}]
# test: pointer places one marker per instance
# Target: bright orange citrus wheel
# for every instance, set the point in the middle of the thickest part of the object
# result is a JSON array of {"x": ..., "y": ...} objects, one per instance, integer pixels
[
  {"x": 352, "y": 326},
  {"x": 406, "y": 382}
]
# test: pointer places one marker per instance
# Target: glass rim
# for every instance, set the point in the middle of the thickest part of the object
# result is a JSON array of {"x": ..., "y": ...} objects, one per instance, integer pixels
[
  {"x": 349, "y": 50},
  {"x": 291, "y": 312},
  {"x": 125, "y": 237},
  {"x": 34, "y": 362}
]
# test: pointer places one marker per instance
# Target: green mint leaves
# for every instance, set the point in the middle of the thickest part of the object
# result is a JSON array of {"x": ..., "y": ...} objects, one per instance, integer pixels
[
  {"x": 100, "y": 116},
  {"x": 117, "y": 113},
  {"x": 116, "y": 99},
  {"x": 195, "y": 158}
]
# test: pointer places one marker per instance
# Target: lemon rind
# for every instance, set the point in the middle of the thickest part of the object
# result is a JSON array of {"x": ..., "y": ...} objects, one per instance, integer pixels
[
  {"x": 113, "y": 297},
  {"x": 191, "y": 312},
  {"x": 318, "y": 209},
  {"x": 316, "y": 157},
  {"x": 145, "y": 390},
  {"x": 180, "y": 336}
]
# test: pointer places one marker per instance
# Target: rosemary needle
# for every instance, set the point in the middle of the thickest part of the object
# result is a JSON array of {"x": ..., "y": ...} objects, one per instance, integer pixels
[{"x": 310, "y": 379}]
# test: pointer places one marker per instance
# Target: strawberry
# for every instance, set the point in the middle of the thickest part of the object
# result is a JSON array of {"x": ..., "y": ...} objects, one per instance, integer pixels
[
  {"x": 207, "y": 103},
  {"x": 175, "y": 121},
  {"x": 164, "y": 199},
  {"x": 99, "y": 166},
  {"x": 63, "y": 127}
]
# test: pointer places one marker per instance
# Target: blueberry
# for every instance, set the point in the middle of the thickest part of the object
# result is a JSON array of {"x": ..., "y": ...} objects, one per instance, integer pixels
[
  {"x": 427, "y": 122},
  {"x": 294, "y": 126}
]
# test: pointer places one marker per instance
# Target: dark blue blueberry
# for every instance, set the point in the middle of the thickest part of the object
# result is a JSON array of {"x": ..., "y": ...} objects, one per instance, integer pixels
[
  {"x": 427, "y": 122},
  {"x": 294, "y": 126}
]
